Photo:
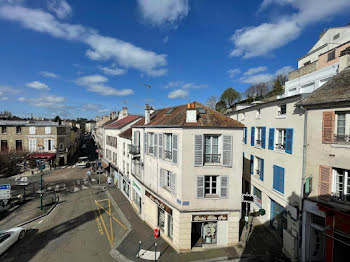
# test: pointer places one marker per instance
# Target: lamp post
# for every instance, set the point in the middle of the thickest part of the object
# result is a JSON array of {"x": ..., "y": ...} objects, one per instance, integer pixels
[{"x": 41, "y": 187}]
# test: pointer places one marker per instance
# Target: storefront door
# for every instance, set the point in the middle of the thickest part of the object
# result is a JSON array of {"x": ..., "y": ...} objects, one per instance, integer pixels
[
  {"x": 277, "y": 221},
  {"x": 196, "y": 234}
]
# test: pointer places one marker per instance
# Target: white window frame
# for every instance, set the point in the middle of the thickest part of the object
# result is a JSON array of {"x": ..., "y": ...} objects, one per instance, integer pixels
[
  {"x": 168, "y": 145},
  {"x": 167, "y": 179},
  {"x": 283, "y": 139},
  {"x": 32, "y": 144},
  {"x": 257, "y": 165},
  {"x": 258, "y": 113},
  {"x": 345, "y": 183},
  {"x": 211, "y": 148},
  {"x": 258, "y": 136},
  {"x": 47, "y": 130},
  {"x": 150, "y": 138},
  {"x": 211, "y": 187},
  {"x": 32, "y": 130},
  {"x": 347, "y": 123}
]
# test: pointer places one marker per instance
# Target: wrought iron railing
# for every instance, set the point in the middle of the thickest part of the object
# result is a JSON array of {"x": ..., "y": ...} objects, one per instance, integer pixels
[
  {"x": 258, "y": 171},
  {"x": 212, "y": 158},
  {"x": 258, "y": 142},
  {"x": 150, "y": 149},
  {"x": 134, "y": 149},
  {"x": 342, "y": 139},
  {"x": 168, "y": 154},
  {"x": 280, "y": 146}
]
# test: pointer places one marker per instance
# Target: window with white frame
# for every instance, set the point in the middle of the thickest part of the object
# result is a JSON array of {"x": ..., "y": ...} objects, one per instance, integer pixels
[
  {"x": 243, "y": 116},
  {"x": 258, "y": 165},
  {"x": 211, "y": 149},
  {"x": 281, "y": 139},
  {"x": 168, "y": 146},
  {"x": 128, "y": 168},
  {"x": 150, "y": 143},
  {"x": 32, "y": 130},
  {"x": 210, "y": 184},
  {"x": 341, "y": 184},
  {"x": 47, "y": 130},
  {"x": 282, "y": 109},
  {"x": 124, "y": 149},
  {"x": 167, "y": 179},
  {"x": 342, "y": 129},
  {"x": 258, "y": 136},
  {"x": 258, "y": 113}
]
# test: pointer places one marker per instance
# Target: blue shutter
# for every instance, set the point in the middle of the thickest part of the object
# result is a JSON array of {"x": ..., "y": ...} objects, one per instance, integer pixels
[
  {"x": 278, "y": 178},
  {"x": 271, "y": 137},
  {"x": 281, "y": 171},
  {"x": 289, "y": 140},
  {"x": 252, "y": 136},
  {"x": 252, "y": 164},
  {"x": 275, "y": 186},
  {"x": 245, "y": 135},
  {"x": 263, "y": 137},
  {"x": 262, "y": 169}
]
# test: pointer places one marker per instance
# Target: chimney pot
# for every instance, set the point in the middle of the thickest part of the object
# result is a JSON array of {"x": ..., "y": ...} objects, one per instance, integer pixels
[
  {"x": 147, "y": 114},
  {"x": 191, "y": 113}
]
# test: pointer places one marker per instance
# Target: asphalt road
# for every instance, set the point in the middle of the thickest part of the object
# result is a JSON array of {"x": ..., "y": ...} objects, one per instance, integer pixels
[{"x": 78, "y": 229}]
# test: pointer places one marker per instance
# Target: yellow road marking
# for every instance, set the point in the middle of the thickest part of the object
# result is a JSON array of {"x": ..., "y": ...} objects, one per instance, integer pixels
[
  {"x": 104, "y": 226},
  {"x": 103, "y": 208},
  {"x": 120, "y": 223},
  {"x": 110, "y": 221},
  {"x": 110, "y": 214},
  {"x": 98, "y": 224}
]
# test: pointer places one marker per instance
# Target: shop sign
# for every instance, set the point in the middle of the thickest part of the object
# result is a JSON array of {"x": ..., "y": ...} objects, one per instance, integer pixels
[
  {"x": 136, "y": 187},
  {"x": 209, "y": 218},
  {"x": 257, "y": 202},
  {"x": 159, "y": 203}
]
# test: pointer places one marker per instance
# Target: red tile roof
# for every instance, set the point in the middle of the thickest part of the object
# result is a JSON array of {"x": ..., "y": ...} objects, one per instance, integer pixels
[
  {"x": 122, "y": 122},
  {"x": 177, "y": 117}
]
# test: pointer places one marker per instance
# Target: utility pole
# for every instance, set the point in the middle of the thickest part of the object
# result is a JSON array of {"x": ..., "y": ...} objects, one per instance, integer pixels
[
  {"x": 149, "y": 96},
  {"x": 41, "y": 186}
]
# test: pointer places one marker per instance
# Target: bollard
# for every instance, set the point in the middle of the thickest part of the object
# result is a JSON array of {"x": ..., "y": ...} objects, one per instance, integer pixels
[
  {"x": 138, "y": 252},
  {"x": 155, "y": 252}
]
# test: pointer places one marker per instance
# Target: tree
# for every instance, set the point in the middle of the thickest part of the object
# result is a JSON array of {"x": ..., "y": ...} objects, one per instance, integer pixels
[
  {"x": 212, "y": 101},
  {"x": 278, "y": 83},
  {"x": 220, "y": 106},
  {"x": 257, "y": 90},
  {"x": 9, "y": 163},
  {"x": 230, "y": 96}
]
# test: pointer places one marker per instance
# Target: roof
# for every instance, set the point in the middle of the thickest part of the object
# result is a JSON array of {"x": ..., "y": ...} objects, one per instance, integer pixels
[
  {"x": 27, "y": 123},
  {"x": 335, "y": 90},
  {"x": 108, "y": 122},
  {"x": 176, "y": 117},
  {"x": 122, "y": 122},
  {"x": 126, "y": 134}
]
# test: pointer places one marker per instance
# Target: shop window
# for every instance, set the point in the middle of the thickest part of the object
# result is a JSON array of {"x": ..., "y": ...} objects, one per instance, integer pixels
[
  {"x": 161, "y": 218},
  {"x": 170, "y": 226},
  {"x": 209, "y": 232}
]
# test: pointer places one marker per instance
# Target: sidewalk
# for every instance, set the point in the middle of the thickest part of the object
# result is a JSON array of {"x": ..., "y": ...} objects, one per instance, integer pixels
[{"x": 142, "y": 232}]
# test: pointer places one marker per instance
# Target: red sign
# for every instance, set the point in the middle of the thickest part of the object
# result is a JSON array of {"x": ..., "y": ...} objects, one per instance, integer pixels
[
  {"x": 97, "y": 150},
  {"x": 156, "y": 232}
]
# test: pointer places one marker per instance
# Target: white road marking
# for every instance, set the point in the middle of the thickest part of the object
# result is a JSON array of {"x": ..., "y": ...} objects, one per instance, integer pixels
[
  {"x": 76, "y": 189},
  {"x": 40, "y": 222},
  {"x": 148, "y": 255},
  {"x": 84, "y": 187}
]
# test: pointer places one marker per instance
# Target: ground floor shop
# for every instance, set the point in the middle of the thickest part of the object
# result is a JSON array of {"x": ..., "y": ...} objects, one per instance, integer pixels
[
  {"x": 137, "y": 195},
  {"x": 326, "y": 233}
]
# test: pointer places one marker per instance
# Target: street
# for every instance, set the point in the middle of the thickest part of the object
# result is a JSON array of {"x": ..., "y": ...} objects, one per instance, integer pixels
[{"x": 78, "y": 229}]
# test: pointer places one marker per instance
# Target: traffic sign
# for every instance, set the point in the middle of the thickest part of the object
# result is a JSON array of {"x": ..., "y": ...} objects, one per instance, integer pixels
[
  {"x": 22, "y": 181},
  {"x": 247, "y": 198},
  {"x": 99, "y": 170},
  {"x": 5, "y": 191}
]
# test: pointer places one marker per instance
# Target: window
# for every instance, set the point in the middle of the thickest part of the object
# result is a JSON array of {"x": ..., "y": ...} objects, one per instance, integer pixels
[
  {"x": 170, "y": 226},
  {"x": 281, "y": 139},
  {"x": 108, "y": 154},
  {"x": 258, "y": 163},
  {"x": 243, "y": 116},
  {"x": 282, "y": 109},
  {"x": 342, "y": 130},
  {"x": 168, "y": 146},
  {"x": 32, "y": 145},
  {"x": 258, "y": 137},
  {"x": 258, "y": 195},
  {"x": 211, "y": 147},
  {"x": 3, "y": 129},
  {"x": 245, "y": 135},
  {"x": 18, "y": 129},
  {"x": 278, "y": 178},
  {"x": 61, "y": 147},
  {"x": 331, "y": 55},
  {"x": 114, "y": 158},
  {"x": 124, "y": 149},
  {"x": 307, "y": 63},
  {"x": 341, "y": 184},
  {"x": 4, "y": 147},
  {"x": 128, "y": 168},
  {"x": 341, "y": 124},
  {"x": 167, "y": 180},
  {"x": 47, "y": 130},
  {"x": 336, "y": 36},
  {"x": 161, "y": 218},
  {"x": 210, "y": 185},
  {"x": 258, "y": 113},
  {"x": 19, "y": 146},
  {"x": 32, "y": 130},
  {"x": 150, "y": 143}
]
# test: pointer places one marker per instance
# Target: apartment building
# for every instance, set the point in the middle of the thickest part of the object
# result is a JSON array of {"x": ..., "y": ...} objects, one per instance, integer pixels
[
  {"x": 273, "y": 157},
  {"x": 48, "y": 138},
  {"x": 186, "y": 165},
  {"x": 326, "y": 214}
]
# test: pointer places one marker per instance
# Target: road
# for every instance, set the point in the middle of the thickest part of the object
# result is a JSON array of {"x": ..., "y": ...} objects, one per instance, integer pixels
[{"x": 78, "y": 229}]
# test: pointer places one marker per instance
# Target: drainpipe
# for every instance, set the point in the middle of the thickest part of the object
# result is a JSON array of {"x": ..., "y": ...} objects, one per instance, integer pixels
[{"x": 302, "y": 249}]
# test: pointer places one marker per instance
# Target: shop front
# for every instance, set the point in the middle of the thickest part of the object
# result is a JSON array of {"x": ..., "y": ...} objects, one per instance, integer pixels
[
  {"x": 125, "y": 186},
  {"x": 137, "y": 195},
  {"x": 206, "y": 229}
]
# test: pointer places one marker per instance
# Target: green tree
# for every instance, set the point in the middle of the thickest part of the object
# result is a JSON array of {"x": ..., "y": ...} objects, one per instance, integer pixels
[
  {"x": 278, "y": 83},
  {"x": 220, "y": 106},
  {"x": 230, "y": 96}
]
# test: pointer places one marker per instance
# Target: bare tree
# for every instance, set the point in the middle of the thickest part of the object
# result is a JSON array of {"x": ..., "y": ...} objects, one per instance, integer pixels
[
  {"x": 257, "y": 90},
  {"x": 212, "y": 101}
]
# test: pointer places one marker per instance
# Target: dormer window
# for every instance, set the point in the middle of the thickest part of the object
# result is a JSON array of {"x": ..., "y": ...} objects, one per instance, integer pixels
[
  {"x": 331, "y": 55},
  {"x": 336, "y": 36},
  {"x": 282, "y": 109}
]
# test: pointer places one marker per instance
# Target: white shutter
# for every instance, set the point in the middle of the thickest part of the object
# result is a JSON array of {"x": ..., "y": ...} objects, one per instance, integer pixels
[
  {"x": 161, "y": 178},
  {"x": 160, "y": 136},
  {"x": 46, "y": 144},
  {"x": 224, "y": 186},
  {"x": 175, "y": 148},
  {"x": 155, "y": 141},
  {"x": 145, "y": 146},
  {"x": 53, "y": 144},
  {"x": 227, "y": 150},
  {"x": 198, "y": 150},
  {"x": 47, "y": 130},
  {"x": 200, "y": 186},
  {"x": 173, "y": 183}
]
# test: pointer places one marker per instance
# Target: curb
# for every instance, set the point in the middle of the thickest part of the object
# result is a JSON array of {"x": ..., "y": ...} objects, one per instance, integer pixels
[{"x": 41, "y": 216}]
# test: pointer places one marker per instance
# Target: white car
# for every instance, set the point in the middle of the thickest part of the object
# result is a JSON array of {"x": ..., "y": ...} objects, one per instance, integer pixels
[
  {"x": 83, "y": 161},
  {"x": 10, "y": 236}
]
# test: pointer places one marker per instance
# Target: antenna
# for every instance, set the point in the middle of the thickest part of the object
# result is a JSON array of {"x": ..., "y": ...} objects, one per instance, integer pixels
[{"x": 149, "y": 90}]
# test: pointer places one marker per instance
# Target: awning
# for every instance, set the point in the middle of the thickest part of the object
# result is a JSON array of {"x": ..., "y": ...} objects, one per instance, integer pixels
[{"x": 46, "y": 156}]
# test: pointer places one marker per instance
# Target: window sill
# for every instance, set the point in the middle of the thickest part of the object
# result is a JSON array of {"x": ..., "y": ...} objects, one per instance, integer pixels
[
  {"x": 340, "y": 146},
  {"x": 258, "y": 147},
  {"x": 280, "y": 151},
  {"x": 258, "y": 117},
  {"x": 281, "y": 116},
  {"x": 211, "y": 196},
  {"x": 212, "y": 164}
]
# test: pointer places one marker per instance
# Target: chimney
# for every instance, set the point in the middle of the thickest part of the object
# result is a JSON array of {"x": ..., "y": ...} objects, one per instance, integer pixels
[
  {"x": 191, "y": 113},
  {"x": 147, "y": 114},
  {"x": 123, "y": 113},
  {"x": 151, "y": 110},
  {"x": 114, "y": 115},
  {"x": 110, "y": 116}
]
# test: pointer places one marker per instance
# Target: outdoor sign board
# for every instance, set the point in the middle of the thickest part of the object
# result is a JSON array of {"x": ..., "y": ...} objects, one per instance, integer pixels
[
  {"x": 5, "y": 191},
  {"x": 247, "y": 198},
  {"x": 22, "y": 181},
  {"x": 99, "y": 170}
]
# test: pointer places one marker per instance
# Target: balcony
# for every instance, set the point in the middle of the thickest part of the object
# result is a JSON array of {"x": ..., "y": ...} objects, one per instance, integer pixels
[
  {"x": 258, "y": 142},
  {"x": 340, "y": 198},
  {"x": 342, "y": 139},
  {"x": 168, "y": 154},
  {"x": 134, "y": 149},
  {"x": 212, "y": 158}
]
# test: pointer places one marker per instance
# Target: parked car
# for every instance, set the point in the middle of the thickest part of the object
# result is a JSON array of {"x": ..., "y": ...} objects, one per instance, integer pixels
[
  {"x": 10, "y": 236},
  {"x": 83, "y": 161}
]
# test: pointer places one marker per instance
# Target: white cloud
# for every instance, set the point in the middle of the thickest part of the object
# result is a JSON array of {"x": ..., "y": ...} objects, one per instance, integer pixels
[
  {"x": 37, "y": 85},
  {"x": 60, "y": 7},
  {"x": 3, "y": 97},
  {"x": 173, "y": 84},
  {"x": 233, "y": 72},
  {"x": 96, "y": 84},
  {"x": 8, "y": 90},
  {"x": 48, "y": 74},
  {"x": 104, "y": 110},
  {"x": 254, "y": 78},
  {"x": 113, "y": 71},
  {"x": 101, "y": 47},
  {"x": 178, "y": 93},
  {"x": 183, "y": 85},
  {"x": 160, "y": 12},
  {"x": 254, "y": 70},
  {"x": 50, "y": 101},
  {"x": 284, "y": 70},
  {"x": 252, "y": 41},
  {"x": 193, "y": 86},
  {"x": 91, "y": 107}
]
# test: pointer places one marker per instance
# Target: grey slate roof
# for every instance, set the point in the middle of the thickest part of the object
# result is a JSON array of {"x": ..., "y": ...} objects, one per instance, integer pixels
[
  {"x": 27, "y": 123},
  {"x": 335, "y": 90}
]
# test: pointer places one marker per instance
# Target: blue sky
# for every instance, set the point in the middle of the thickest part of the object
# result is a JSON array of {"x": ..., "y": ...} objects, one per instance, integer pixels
[{"x": 84, "y": 58}]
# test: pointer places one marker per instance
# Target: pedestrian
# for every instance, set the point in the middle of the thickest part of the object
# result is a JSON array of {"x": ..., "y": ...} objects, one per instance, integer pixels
[
  {"x": 109, "y": 180},
  {"x": 88, "y": 174}
]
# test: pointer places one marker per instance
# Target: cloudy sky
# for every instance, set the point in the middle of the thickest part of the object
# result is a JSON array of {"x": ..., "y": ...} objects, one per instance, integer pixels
[{"x": 84, "y": 58}]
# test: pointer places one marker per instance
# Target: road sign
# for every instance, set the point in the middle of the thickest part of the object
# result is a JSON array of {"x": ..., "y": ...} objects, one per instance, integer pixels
[
  {"x": 99, "y": 170},
  {"x": 5, "y": 191},
  {"x": 99, "y": 163},
  {"x": 22, "y": 181},
  {"x": 248, "y": 198}
]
